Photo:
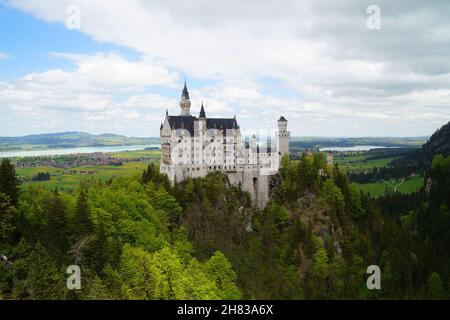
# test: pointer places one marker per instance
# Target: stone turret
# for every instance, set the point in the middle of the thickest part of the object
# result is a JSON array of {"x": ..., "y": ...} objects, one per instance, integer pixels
[
  {"x": 330, "y": 158},
  {"x": 283, "y": 136},
  {"x": 185, "y": 102},
  {"x": 253, "y": 142}
]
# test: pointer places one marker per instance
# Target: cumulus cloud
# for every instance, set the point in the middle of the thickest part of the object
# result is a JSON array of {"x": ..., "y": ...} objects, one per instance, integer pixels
[
  {"x": 104, "y": 72},
  {"x": 314, "y": 61},
  {"x": 91, "y": 92},
  {"x": 90, "y": 86},
  {"x": 4, "y": 55}
]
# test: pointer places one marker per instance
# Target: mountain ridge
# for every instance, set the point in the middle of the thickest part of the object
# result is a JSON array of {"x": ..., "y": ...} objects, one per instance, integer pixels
[
  {"x": 70, "y": 139},
  {"x": 439, "y": 143}
]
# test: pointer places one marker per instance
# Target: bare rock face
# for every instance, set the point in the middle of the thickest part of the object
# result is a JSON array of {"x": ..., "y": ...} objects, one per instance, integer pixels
[
  {"x": 337, "y": 247},
  {"x": 274, "y": 182},
  {"x": 247, "y": 218},
  {"x": 428, "y": 185},
  {"x": 306, "y": 200},
  {"x": 317, "y": 216}
]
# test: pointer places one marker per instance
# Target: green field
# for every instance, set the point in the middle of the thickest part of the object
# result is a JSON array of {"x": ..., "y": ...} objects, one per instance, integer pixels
[
  {"x": 364, "y": 161},
  {"x": 143, "y": 154},
  {"x": 64, "y": 180},
  {"x": 67, "y": 179},
  {"x": 360, "y": 162},
  {"x": 378, "y": 189}
]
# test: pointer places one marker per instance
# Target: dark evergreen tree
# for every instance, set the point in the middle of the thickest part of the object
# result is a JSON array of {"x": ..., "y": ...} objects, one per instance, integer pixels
[
  {"x": 99, "y": 249},
  {"x": 44, "y": 280},
  {"x": 57, "y": 231},
  {"x": 82, "y": 224},
  {"x": 8, "y": 182},
  {"x": 7, "y": 214}
]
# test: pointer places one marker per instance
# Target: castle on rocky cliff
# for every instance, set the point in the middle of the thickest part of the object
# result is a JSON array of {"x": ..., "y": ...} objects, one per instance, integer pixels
[{"x": 195, "y": 146}]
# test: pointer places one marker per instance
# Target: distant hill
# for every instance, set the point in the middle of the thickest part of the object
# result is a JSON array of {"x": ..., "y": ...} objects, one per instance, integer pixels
[
  {"x": 69, "y": 140},
  {"x": 298, "y": 144},
  {"x": 439, "y": 143}
]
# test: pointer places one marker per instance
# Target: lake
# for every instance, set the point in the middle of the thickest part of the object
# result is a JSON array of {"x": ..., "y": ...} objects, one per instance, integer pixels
[
  {"x": 59, "y": 152},
  {"x": 352, "y": 148}
]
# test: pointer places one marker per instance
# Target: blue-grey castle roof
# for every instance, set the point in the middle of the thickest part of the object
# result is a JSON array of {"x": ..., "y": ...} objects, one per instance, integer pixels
[{"x": 188, "y": 122}]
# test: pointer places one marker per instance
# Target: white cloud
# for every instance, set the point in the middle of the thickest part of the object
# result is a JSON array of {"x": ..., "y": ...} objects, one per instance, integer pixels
[
  {"x": 91, "y": 86},
  {"x": 337, "y": 72},
  {"x": 91, "y": 93},
  {"x": 104, "y": 72},
  {"x": 151, "y": 101},
  {"x": 4, "y": 55}
]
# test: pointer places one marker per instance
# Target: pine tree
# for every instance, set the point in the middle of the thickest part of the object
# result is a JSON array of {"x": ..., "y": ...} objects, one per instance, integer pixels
[
  {"x": 320, "y": 269},
  {"x": 435, "y": 287},
  {"x": 82, "y": 225},
  {"x": 138, "y": 276},
  {"x": 220, "y": 269},
  {"x": 98, "y": 249},
  {"x": 7, "y": 213},
  {"x": 44, "y": 280},
  {"x": 148, "y": 174},
  {"x": 57, "y": 227},
  {"x": 8, "y": 182},
  {"x": 97, "y": 290}
]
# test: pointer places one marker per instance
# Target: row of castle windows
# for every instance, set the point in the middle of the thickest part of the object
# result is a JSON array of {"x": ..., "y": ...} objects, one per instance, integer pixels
[
  {"x": 214, "y": 168},
  {"x": 229, "y": 155},
  {"x": 220, "y": 168},
  {"x": 212, "y": 140}
]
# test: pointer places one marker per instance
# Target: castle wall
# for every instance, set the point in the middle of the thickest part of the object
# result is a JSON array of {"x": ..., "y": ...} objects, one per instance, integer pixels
[
  {"x": 249, "y": 185},
  {"x": 263, "y": 191},
  {"x": 235, "y": 178}
]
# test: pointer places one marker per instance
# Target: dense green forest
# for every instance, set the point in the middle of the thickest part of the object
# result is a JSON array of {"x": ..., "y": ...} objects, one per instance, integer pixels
[{"x": 140, "y": 238}]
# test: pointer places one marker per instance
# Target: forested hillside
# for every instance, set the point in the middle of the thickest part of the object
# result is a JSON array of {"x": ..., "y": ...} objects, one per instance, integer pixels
[
  {"x": 439, "y": 143},
  {"x": 140, "y": 238}
]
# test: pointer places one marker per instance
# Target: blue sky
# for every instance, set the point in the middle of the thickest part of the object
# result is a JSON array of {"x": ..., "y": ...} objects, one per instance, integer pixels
[
  {"x": 329, "y": 75},
  {"x": 29, "y": 42}
]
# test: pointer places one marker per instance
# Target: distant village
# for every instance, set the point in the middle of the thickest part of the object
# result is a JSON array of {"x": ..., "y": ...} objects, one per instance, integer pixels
[{"x": 73, "y": 160}]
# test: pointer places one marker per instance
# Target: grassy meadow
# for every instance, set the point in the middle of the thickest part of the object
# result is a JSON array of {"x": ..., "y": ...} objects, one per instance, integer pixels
[
  {"x": 377, "y": 189},
  {"x": 70, "y": 179},
  {"x": 364, "y": 161},
  {"x": 361, "y": 162}
]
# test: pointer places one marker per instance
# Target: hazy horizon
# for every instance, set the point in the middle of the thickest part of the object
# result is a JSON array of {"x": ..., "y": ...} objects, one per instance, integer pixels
[{"x": 154, "y": 137}]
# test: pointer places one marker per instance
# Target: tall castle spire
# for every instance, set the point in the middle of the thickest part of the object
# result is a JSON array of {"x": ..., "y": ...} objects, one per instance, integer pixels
[
  {"x": 185, "y": 103},
  {"x": 202, "y": 112},
  {"x": 185, "y": 93}
]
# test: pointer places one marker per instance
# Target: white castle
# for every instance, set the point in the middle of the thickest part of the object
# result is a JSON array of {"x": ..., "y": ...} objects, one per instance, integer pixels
[{"x": 193, "y": 147}]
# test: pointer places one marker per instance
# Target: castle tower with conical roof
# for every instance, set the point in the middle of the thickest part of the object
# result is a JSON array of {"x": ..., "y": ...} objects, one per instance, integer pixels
[
  {"x": 185, "y": 102},
  {"x": 283, "y": 137}
]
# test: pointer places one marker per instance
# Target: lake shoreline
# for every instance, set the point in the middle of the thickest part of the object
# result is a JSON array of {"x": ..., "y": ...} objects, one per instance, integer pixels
[
  {"x": 359, "y": 148},
  {"x": 73, "y": 150}
]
